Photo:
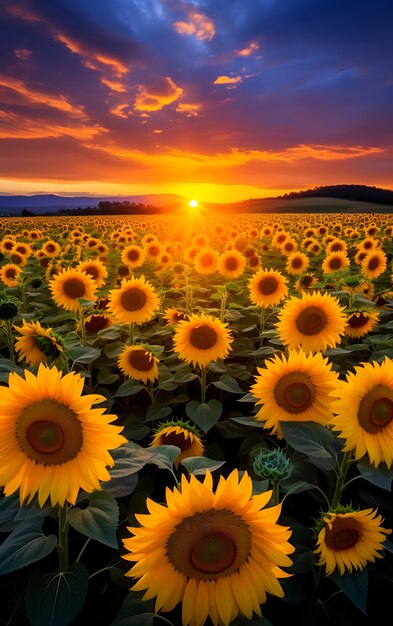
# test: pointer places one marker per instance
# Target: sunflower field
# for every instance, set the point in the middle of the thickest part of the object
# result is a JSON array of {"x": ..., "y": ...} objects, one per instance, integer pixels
[{"x": 196, "y": 420}]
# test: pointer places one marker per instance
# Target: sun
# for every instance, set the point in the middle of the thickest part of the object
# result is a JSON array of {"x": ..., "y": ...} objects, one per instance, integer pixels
[{"x": 193, "y": 204}]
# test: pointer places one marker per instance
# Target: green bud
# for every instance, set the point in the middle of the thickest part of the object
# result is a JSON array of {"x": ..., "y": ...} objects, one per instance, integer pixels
[
  {"x": 8, "y": 310},
  {"x": 272, "y": 465},
  {"x": 233, "y": 287}
]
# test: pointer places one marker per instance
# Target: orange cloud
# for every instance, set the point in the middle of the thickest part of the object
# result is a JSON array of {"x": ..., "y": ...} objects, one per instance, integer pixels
[
  {"x": 120, "y": 110},
  {"x": 227, "y": 80},
  {"x": 157, "y": 95},
  {"x": 33, "y": 96},
  {"x": 245, "y": 52},
  {"x": 23, "y": 54},
  {"x": 113, "y": 85},
  {"x": 13, "y": 126},
  {"x": 197, "y": 25},
  {"x": 91, "y": 58},
  {"x": 191, "y": 110}
]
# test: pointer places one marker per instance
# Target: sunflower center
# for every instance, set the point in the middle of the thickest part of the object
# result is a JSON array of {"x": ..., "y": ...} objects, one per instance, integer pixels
[
  {"x": 267, "y": 285},
  {"x": 376, "y": 409},
  {"x": 45, "y": 437},
  {"x": 373, "y": 263},
  {"x": 343, "y": 534},
  {"x": 311, "y": 320},
  {"x": 96, "y": 323},
  {"x": 141, "y": 360},
  {"x": 92, "y": 271},
  {"x": 133, "y": 255},
  {"x": 335, "y": 264},
  {"x": 49, "y": 432},
  {"x": 133, "y": 299},
  {"x": 296, "y": 263},
  {"x": 294, "y": 392},
  {"x": 177, "y": 439},
  {"x": 203, "y": 337},
  {"x": 206, "y": 260},
  {"x": 209, "y": 545},
  {"x": 231, "y": 264},
  {"x": 74, "y": 288},
  {"x": 357, "y": 321},
  {"x": 11, "y": 274},
  {"x": 154, "y": 250},
  {"x": 50, "y": 247}
]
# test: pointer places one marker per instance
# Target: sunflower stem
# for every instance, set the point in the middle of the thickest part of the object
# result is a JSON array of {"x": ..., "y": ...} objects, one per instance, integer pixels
[
  {"x": 131, "y": 331},
  {"x": 261, "y": 326},
  {"x": 152, "y": 392},
  {"x": 203, "y": 384},
  {"x": 23, "y": 295},
  {"x": 224, "y": 299},
  {"x": 10, "y": 339},
  {"x": 83, "y": 549},
  {"x": 341, "y": 476},
  {"x": 63, "y": 538},
  {"x": 275, "y": 499},
  {"x": 81, "y": 316}
]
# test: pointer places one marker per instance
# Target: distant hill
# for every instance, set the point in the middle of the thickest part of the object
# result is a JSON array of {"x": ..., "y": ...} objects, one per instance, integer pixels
[{"x": 45, "y": 203}]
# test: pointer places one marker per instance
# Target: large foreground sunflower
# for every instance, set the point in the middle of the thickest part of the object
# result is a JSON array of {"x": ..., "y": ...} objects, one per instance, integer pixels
[
  {"x": 350, "y": 540},
  {"x": 139, "y": 363},
  {"x": 314, "y": 322},
  {"x": 69, "y": 285},
  {"x": 216, "y": 553},
  {"x": 294, "y": 389},
  {"x": 135, "y": 301},
  {"x": 202, "y": 339},
  {"x": 182, "y": 435},
  {"x": 364, "y": 412},
  {"x": 267, "y": 288},
  {"x": 52, "y": 441},
  {"x": 37, "y": 344}
]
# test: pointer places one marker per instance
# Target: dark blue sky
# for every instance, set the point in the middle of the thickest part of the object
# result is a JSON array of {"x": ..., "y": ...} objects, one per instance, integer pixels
[{"x": 232, "y": 98}]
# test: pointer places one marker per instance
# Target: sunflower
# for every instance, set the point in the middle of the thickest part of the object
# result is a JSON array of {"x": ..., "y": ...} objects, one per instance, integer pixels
[
  {"x": 51, "y": 248},
  {"x": 9, "y": 274},
  {"x": 53, "y": 442},
  {"x": 350, "y": 540},
  {"x": 335, "y": 262},
  {"x": 231, "y": 264},
  {"x": 205, "y": 261},
  {"x": 37, "y": 344},
  {"x": 182, "y": 435},
  {"x": 153, "y": 251},
  {"x": 133, "y": 256},
  {"x": 254, "y": 262},
  {"x": 336, "y": 245},
  {"x": 202, "y": 339},
  {"x": 95, "y": 269},
  {"x": 217, "y": 553},
  {"x": 135, "y": 301},
  {"x": 267, "y": 288},
  {"x": 174, "y": 316},
  {"x": 139, "y": 363},
  {"x": 7, "y": 245},
  {"x": 361, "y": 322},
  {"x": 314, "y": 322},
  {"x": 364, "y": 412},
  {"x": 294, "y": 389},
  {"x": 374, "y": 264},
  {"x": 96, "y": 322},
  {"x": 69, "y": 285},
  {"x": 297, "y": 263}
]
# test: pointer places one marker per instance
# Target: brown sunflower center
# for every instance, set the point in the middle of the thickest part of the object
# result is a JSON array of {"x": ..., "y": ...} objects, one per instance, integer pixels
[
  {"x": 297, "y": 263},
  {"x": 176, "y": 439},
  {"x": 373, "y": 263},
  {"x": 11, "y": 273},
  {"x": 92, "y": 271},
  {"x": 335, "y": 263},
  {"x": 8, "y": 245},
  {"x": 133, "y": 299},
  {"x": 141, "y": 360},
  {"x": 367, "y": 245},
  {"x": 344, "y": 533},
  {"x": 267, "y": 285},
  {"x": 231, "y": 264},
  {"x": 206, "y": 260},
  {"x": 209, "y": 545},
  {"x": 376, "y": 409},
  {"x": 294, "y": 392},
  {"x": 74, "y": 288},
  {"x": 154, "y": 250},
  {"x": 50, "y": 247},
  {"x": 203, "y": 337},
  {"x": 133, "y": 255},
  {"x": 96, "y": 323},
  {"x": 357, "y": 321},
  {"x": 336, "y": 247},
  {"x": 49, "y": 432},
  {"x": 311, "y": 320}
]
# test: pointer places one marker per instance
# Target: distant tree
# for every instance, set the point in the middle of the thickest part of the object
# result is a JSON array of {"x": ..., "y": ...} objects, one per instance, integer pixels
[{"x": 26, "y": 213}]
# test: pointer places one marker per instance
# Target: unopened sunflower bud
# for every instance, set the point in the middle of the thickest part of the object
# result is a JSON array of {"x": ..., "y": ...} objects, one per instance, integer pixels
[{"x": 272, "y": 465}]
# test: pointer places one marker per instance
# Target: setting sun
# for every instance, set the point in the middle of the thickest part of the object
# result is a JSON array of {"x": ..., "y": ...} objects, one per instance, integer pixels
[{"x": 193, "y": 204}]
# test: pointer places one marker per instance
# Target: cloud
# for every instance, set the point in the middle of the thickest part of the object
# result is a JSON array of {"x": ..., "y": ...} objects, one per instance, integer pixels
[
  {"x": 155, "y": 96},
  {"x": 227, "y": 80},
  {"x": 197, "y": 25},
  {"x": 14, "y": 126},
  {"x": 33, "y": 96},
  {"x": 250, "y": 49},
  {"x": 23, "y": 54},
  {"x": 113, "y": 85},
  {"x": 191, "y": 110},
  {"x": 120, "y": 110},
  {"x": 92, "y": 58}
]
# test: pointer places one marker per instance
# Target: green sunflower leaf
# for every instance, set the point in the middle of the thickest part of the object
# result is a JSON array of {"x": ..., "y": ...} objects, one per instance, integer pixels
[
  {"x": 204, "y": 414},
  {"x": 55, "y": 599},
  {"x": 228, "y": 383},
  {"x": 99, "y": 519},
  {"x": 135, "y": 612},
  {"x": 355, "y": 587},
  {"x": 198, "y": 465},
  {"x": 25, "y": 545}
]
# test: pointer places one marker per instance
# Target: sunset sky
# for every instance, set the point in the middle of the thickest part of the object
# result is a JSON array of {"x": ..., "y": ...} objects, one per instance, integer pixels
[{"x": 216, "y": 99}]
